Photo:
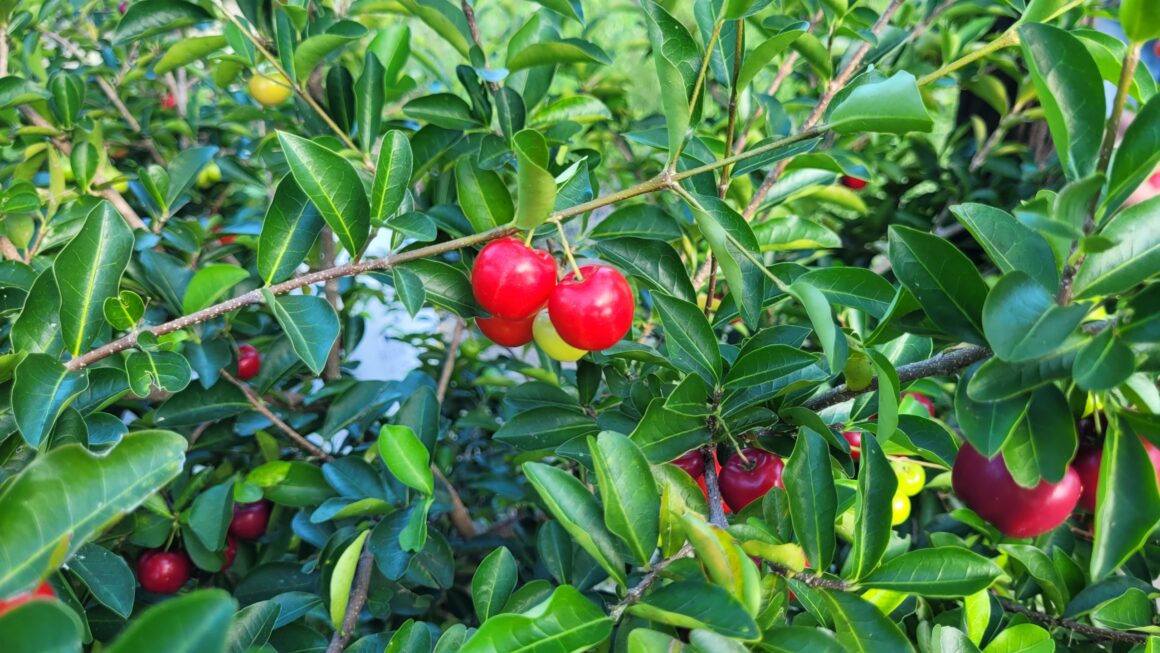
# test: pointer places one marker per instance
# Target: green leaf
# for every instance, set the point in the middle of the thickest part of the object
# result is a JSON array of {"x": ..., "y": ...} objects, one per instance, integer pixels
[
  {"x": 333, "y": 186},
  {"x": 689, "y": 339},
  {"x": 210, "y": 515},
  {"x": 310, "y": 52},
  {"x": 406, "y": 457},
  {"x": 166, "y": 370},
  {"x": 107, "y": 576},
  {"x": 631, "y": 501},
  {"x": 877, "y": 484},
  {"x": 40, "y": 627},
  {"x": 551, "y": 53},
  {"x": 210, "y": 284},
  {"x": 1139, "y": 20},
  {"x": 124, "y": 310},
  {"x": 678, "y": 61},
  {"x": 445, "y": 110},
  {"x": 647, "y": 221},
  {"x": 664, "y": 434},
  {"x": 187, "y": 51},
  {"x": 252, "y": 626},
  {"x": 696, "y": 604},
  {"x": 1136, "y": 157},
  {"x": 1103, "y": 363},
  {"x": 1042, "y": 445},
  {"x": 289, "y": 230},
  {"x": 15, "y": 91},
  {"x": 342, "y": 578},
  {"x": 733, "y": 243},
  {"x": 793, "y": 233},
  {"x": 578, "y": 512},
  {"x": 853, "y": 287},
  {"x": 483, "y": 196},
  {"x": 1071, "y": 92},
  {"x": 1022, "y": 638},
  {"x": 998, "y": 379},
  {"x": 66, "y": 496},
  {"x": 862, "y": 628},
  {"x": 652, "y": 261},
  {"x": 445, "y": 18},
  {"x": 813, "y": 501},
  {"x": 821, "y": 317},
  {"x": 888, "y": 386},
  {"x": 1127, "y": 501},
  {"x": 1133, "y": 257},
  {"x": 444, "y": 285},
  {"x": 943, "y": 572},
  {"x": 795, "y": 639},
  {"x": 392, "y": 174},
  {"x": 493, "y": 582},
  {"x": 1022, "y": 320},
  {"x": 196, "y": 404},
  {"x": 987, "y": 425},
  {"x": 311, "y": 324},
  {"x": 34, "y": 328},
  {"x": 582, "y": 109},
  {"x": 41, "y": 390},
  {"x": 546, "y": 427},
  {"x": 370, "y": 93},
  {"x": 198, "y": 622},
  {"x": 760, "y": 56},
  {"x": 566, "y": 8},
  {"x": 98, "y": 254},
  {"x": 942, "y": 278},
  {"x": 536, "y": 187},
  {"x": 892, "y": 106},
  {"x": 1010, "y": 244},
  {"x": 567, "y": 622},
  {"x": 152, "y": 17},
  {"x": 1040, "y": 567}
]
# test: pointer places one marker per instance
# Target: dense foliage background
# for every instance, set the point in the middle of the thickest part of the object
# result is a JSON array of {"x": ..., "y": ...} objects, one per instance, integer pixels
[{"x": 314, "y": 179}]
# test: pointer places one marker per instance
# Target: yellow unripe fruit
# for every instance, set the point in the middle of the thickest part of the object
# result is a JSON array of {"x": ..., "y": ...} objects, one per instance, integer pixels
[
  {"x": 911, "y": 477},
  {"x": 270, "y": 90},
  {"x": 901, "y": 509},
  {"x": 209, "y": 175},
  {"x": 553, "y": 345}
]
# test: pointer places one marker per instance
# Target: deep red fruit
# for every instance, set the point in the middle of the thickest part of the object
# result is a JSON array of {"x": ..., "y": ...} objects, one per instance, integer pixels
[
  {"x": 855, "y": 440},
  {"x": 249, "y": 362},
  {"x": 230, "y": 552},
  {"x": 168, "y": 101},
  {"x": 595, "y": 312},
  {"x": 163, "y": 572},
  {"x": 509, "y": 333},
  {"x": 853, "y": 183},
  {"x": 986, "y": 487},
  {"x": 226, "y": 239},
  {"x": 922, "y": 399},
  {"x": 1087, "y": 465},
  {"x": 744, "y": 482},
  {"x": 42, "y": 591},
  {"x": 511, "y": 280},
  {"x": 250, "y": 520},
  {"x": 693, "y": 462}
]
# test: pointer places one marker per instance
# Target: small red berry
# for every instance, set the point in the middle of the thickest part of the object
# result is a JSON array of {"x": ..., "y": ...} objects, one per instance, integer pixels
[
  {"x": 230, "y": 552},
  {"x": 511, "y": 280},
  {"x": 249, "y": 362},
  {"x": 508, "y": 333},
  {"x": 693, "y": 462},
  {"x": 855, "y": 440},
  {"x": 853, "y": 183},
  {"x": 594, "y": 312},
  {"x": 745, "y": 480},
  {"x": 250, "y": 520},
  {"x": 163, "y": 572},
  {"x": 168, "y": 101}
]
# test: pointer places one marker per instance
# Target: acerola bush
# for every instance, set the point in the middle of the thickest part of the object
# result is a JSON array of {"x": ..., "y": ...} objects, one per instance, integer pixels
[{"x": 422, "y": 326}]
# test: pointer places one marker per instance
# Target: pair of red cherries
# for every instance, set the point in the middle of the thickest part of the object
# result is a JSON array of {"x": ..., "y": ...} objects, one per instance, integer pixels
[{"x": 514, "y": 282}]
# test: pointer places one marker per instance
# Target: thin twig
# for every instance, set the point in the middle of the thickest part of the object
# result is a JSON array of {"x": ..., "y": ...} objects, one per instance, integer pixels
[
  {"x": 1073, "y": 625},
  {"x": 358, "y": 598},
  {"x": 460, "y": 515},
  {"x": 713, "y": 490},
  {"x": 260, "y": 406},
  {"x": 333, "y": 370},
  {"x": 449, "y": 362},
  {"x": 636, "y": 592}
]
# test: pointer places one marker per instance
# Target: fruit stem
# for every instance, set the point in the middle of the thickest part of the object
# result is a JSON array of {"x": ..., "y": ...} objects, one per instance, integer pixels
[
  {"x": 531, "y": 234},
  {"x": 568, "y": 251}
]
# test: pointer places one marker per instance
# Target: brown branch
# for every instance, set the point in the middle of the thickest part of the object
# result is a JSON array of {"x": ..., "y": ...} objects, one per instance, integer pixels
[
  {"x": 460, "y": 516},
  {"x": 8, "y": 250},
  {"x": 260, "y": 406},
  {"x": 358, "y": 598},
  {"x": 940, "y": 364},
  {"x": 835, "y": 85},
  {"x": 449, "y": 362},
  {"x": 333, "y": 370},
  {"x": 1073, "y": 625},
  {"x": 636, "y": 592},
  {"x": 713, "y": 489}
]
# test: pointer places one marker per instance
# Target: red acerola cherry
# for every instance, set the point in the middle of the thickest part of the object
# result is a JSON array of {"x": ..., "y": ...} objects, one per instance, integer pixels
[
  {"x": 1087, "y": 465},
  {"x": 168, "y": 101},
  {"x": 855, "y": 440},
  {"x": 226, "y": 239},
  {"x": 42, "y": 591},
  {"x": 744, "y": 481},
  {"x": 249, "y": 362},
  {"x": 693, "y": 462},
  {"x": 922, "y": 399},
  {"x": 853, "y": 183},
  {"x": 986, "y": 487},
  {"x": 512, "y": 281},
  {"x": 163, "y": 572},
  {"x": 509, "y": 333},
  {"x": 250, "y": 520},
  {"x": 230, "y": 552},
  {"x": 594, "y": 312}
]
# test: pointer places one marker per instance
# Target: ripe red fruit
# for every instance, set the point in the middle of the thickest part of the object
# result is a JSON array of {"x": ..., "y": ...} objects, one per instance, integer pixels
[
  {"x": 693, "y": 462},
  {"x": 509, "y": 333},
  {"x": 163, "y": 572},
  {"x": 922, "y": 399},
  {"x": 855, "y": 440},
  {"x": 1087, "y": 465},
  {"x": 168, "y": 101},
  {"x": 249, "y": 362},
  {"x": 250, "y": 520},
  {"x": 744, "y": 482},
  {"x": 230, "y": 552},
  {"x": 853, "y": 183},
  {"x": 122, "y": 8},
  {"x": 595, "y": 312},
  {"x": 226, "y": 239},
  {"x": 511, "y": 280},
  {"x": 986, "y": 487},
  {"x": 42, "y": 591}
]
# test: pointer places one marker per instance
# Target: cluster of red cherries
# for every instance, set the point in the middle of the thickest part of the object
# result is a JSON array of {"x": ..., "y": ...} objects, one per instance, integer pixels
[
  {"x": 589, "y": 310},
  {"x": 166, "y": 571}
]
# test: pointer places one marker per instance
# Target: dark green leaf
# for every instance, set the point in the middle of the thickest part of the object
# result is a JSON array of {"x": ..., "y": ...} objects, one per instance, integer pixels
[
  {"x": 1133, "y": 257},
  {"x": 944, "y": 572},
  {"x": 566, "y": 621},
  {"x": 891, "y": 105},
  {"x": 333, "y": 186},
  {"x": 877, "y": 484},
  {"x": 813, "y": 501},
  {"x": 631, "y": 502},
  {"x": 152, "y": 17},
  {"x": 536, "y": 187},
  {"x": 289, "y": 230},
  {"x": 198, "y": 622},
  {"x": 695, "y": 604},
  {"x": 311, "y": 324},
  {"x": 98, "y": 254},
  {"x": 689, "y": 339},
  {"x": 1022, "y": 320},
  {"x": 42, "y": 388},
  {"x": 943, "y": 279},
  {"x": 1127, "y": 501},
  {"x": 1010, "y": 244}
]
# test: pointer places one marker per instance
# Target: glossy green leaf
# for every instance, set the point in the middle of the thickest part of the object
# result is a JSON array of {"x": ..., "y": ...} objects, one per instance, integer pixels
[
  {"x": 166, "y": 370},
  {"x": 987, "y": 425},
  {"x": 107, "y": 576},
  {"x": 406, "y": 457},
  {"x": 1010, "y": 244},
  {"x": 15, "y": 91},
  {"x": 493, "y": 582},
  {"x": 736, "y": 248},
  {"x": 342, "y": 578},
  {"x": 34, "y": 328},
  {"x": 631, "y": 501},
  {"x": 100, "y": 252},
  {"x": 891, "y": 105},
  {"x": 210, "y": 284},
  {"x": 311, "y": 324},
  {"x": 153, "y": 17},
  {"x": 289, "y": 230},
  {"x": 578, "y": 512},
  {"x": 664, "y": 433},
  {"x": 41, "y": 390},
  {"x": 1070, "y": 90},
  {"x": 483, "y": 197},
  {"x": 546, "y": 427},
  {"x": 853, "y": 287},
  {"x": 1022, "y": 638},
  {"x": 1127, "y": 501},
  {"x": 312, "y": 50},
  {"x": 944, "y": 572},
  {"x": 187, "y": 51},
  {"x": 827, "y": 333},
  {"x": 333, "y": 186},
  {"x": 813, "y": 501},
  {"x": 998, "y": 379},
  {"x": 1140, "y": 20},
  {"x": 252, "y": 626},
  {"x": 654, "y": 262},
  {"x": 446, "y": 18},
  {"x": 536, "y": 187},
  {"x": 696, "y": 604},
  {"x": 761, "y": 55},
  {"x": 40, "y": 627},
  {"x": 392, "y": 174},
  {"x": 198, "y": 622},
  {"x": 1133, "y": 257},
  {"x": 551, "y": 53},
  {"x": 678, "y": 60},
  {"x": 1042, "y": 445},
  {"x": 877, "y": 484},
  {"x": 794, "y": 639},
  {"x": 862, "y": 628},
  {"x": 567, "y": 622},
  {"x": 1022, "y": 321},
  {"x": 1136, "y": 157},
  {"x": 124, "y": 310},
  {"x": 943, "y": 279},
  {"x": 1103, "y": 363},
  {"x": 445, "y": 110},
  {"x": 66, "y": 496},
  {"x": 689, "y": 339}
]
